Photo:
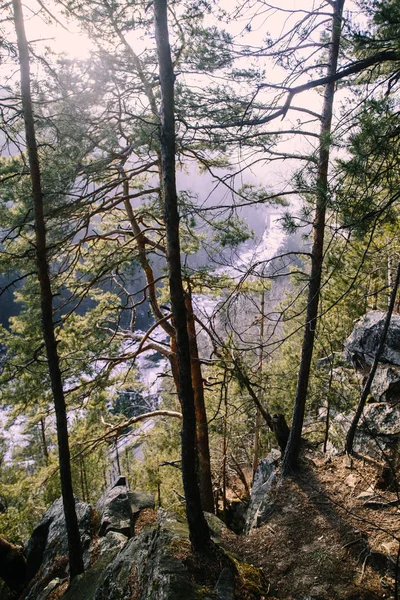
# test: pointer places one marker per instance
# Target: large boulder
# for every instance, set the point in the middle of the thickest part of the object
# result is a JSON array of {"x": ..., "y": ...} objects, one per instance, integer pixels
[
  {"x": 261, "y": 504},
  {"x": 119, "y": 507},
  {"x": 158, "y": 564},
  {"x": 363, "y": 342},
  {"x": 378, "y": 433},
  {"x": 386, "y": 385},
  {"x": 49, "y": 539}
]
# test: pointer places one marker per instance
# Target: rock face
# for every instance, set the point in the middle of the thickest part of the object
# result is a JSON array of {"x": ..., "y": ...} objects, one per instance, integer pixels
[
  {"x": 364, "y": 340},
  {"x": 386, "y": 385},
  {"x": 49, "y": 539},
  {"x": 261, "y": 505},
  {"x": 146, "y": 568},
  {"x": 153, "y": 565},
  {"x": 118, "y": 508},
  {"x": 378, "y": 434}
]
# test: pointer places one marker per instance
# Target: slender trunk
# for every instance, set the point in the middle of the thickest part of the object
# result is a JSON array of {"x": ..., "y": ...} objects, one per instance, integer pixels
[
  {"x": 389, "y": 276},
  {"x": 328, "y": 410},
  {"x": 225, "y": 452},
  {"x": 159, "y": 493},
  {"x": 202, "y": 442},
  {"x": 173, "y": 359},
  {"x": 127, "y": 466},
  {"x": 241, "y": 475},
  {"x": 260, "y": 368},
  {"x": 46, "y": 299},
  {"x": 365, "y": 393},
  {"x": 198, "y": 528},
  {"x": 85, "y": 481},
  {"x": 256, "y": 449},
  {"x": 117, "y": 456},
  {"x": 44, "y": 441},
  {"x": 82, "y": 479},
  {"x": 145, "y": 264},
  {"x": 293, "y": 446}
]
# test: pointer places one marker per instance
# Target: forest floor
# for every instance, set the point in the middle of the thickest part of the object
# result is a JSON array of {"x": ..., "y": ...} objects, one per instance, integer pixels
[{"x": 332, "y": 536}]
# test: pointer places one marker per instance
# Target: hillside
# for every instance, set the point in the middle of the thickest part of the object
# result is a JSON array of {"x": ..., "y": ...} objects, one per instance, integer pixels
[{"x": 332, "y": 533}]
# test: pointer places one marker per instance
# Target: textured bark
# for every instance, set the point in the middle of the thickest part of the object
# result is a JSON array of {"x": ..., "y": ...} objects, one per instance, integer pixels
[
  {"x": 198, "y": 528},
  {"x": 204, "y": 468},
  {"x": 46, "y": 300},
  {"x": 367, "y": 388},
  {"x": 293, "y": 446},
  {"x": 173, "y": 359},
  {"x": 260, "y": 369},
  {"x": 202, "y": 443}
]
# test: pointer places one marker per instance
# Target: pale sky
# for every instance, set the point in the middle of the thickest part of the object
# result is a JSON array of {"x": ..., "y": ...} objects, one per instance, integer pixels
[{"x": 68, "y": 39}]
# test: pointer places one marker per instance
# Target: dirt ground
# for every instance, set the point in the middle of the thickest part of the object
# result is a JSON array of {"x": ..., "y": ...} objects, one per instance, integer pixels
[{"x": 332, "y": 536}]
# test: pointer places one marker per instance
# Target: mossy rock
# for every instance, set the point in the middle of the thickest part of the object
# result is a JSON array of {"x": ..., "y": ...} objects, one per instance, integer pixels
[{"x": 251, "y": 581}]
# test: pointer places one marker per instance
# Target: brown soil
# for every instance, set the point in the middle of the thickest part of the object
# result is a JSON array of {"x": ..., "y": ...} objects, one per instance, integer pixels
[
  {"x": 146, "y": 517},
  {"x": 332, "y": 535}
]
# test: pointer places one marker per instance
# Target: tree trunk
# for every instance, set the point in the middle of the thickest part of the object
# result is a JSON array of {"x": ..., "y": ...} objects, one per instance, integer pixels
[
  {"x": 202, "y": 443},
  {"x": 198, "y": 528},
  {"x": 46, "y": 300},
  {"x": 117, "y": 456},
  {"x": 12, "y": 566},
  {"x": 225, "y": 452},
  {"x": 256, "y": 450},
  {"x": 83, "y": 495},
  {"x": 293, "y": 446},
  {"x": 365, "y": 393},
  {"x": 44, "y": 440}
]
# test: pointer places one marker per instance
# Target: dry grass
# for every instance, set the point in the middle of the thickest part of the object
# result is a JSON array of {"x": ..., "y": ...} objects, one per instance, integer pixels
[
  {"x": 146, "y": 517},
  {"x": 323, "y": 540}
]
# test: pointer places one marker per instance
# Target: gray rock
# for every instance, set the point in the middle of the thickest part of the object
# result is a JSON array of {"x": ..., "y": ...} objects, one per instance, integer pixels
[
  {"x": 84, "y": 586},
  {"x": 378, "y": 433},
  {"x": 386, "y": 385},
  {"x": 149, "y": 566},
  {"x": 361, "y": 346},
  {"x": 216, "y": 526},
  {"x": 118, "y": 508},
  {"x": 261, "y": 504},
  {"x": 53, "y": 585},
  {"x": 112, "y": 540},
  {"x": 145, "y": 569},
  {"x": 49, "y": 538},
  {"x": 225, "y": 588}
]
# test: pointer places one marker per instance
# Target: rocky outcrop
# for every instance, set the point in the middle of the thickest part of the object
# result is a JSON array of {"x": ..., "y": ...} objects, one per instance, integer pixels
[
  {"x": 49, "y": 538},
  {"x": 361, "y": 346},
  {"x": 156, "y": 565},
  {"x": 386, "y": 385},
  {"x": 378, "y": 433},
  {"x": 12, "y": 565},
  {"x": 261, "y": 504},
  {"x": 119, "y": 507},
  {"x": 153, "y": 562}
]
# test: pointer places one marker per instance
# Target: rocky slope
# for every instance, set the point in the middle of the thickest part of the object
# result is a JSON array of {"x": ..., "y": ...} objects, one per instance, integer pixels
[{"x": 131, "y": 552}]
